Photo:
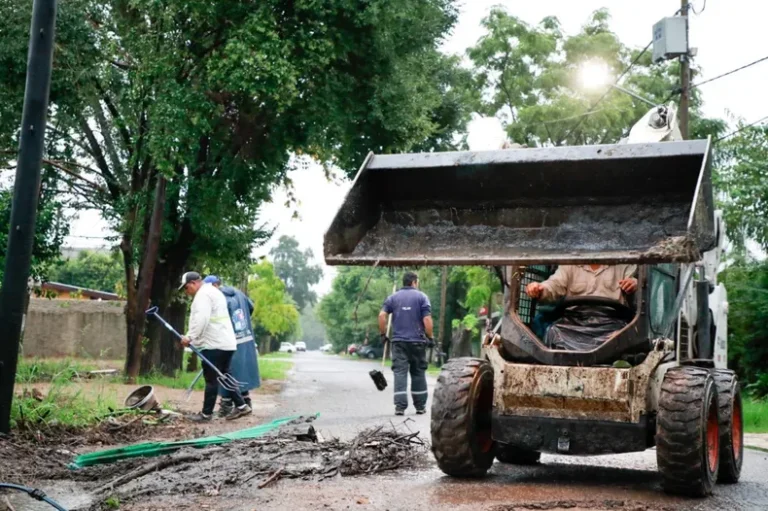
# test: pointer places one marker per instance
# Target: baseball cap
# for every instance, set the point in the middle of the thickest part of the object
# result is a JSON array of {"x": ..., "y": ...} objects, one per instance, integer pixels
[
  {"x": 188, "y": 277},
  {"x": 212, "y": 279}
]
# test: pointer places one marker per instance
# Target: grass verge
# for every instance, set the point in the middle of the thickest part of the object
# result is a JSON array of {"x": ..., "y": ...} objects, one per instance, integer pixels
[
  {"x": 64, "y": 405},
  {"x": 755, "y": 416},
  {"x": 35, "y": 370},
  {"x": 270, "y": 368}
]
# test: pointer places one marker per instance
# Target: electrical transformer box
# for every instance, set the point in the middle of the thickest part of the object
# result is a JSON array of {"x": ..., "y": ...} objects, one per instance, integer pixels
[{"x": 670, "y": 38}]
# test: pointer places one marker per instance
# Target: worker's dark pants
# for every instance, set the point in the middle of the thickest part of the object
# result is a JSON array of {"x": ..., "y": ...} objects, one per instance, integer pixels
[
  {"x": 221, "y": 360},
  {"x": 410, "y": 357}
]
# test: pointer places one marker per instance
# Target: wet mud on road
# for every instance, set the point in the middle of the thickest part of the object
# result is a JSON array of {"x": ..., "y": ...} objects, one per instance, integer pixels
[
  {"x": 348, "y": 402},
  {"x": 626, "y": 483}
]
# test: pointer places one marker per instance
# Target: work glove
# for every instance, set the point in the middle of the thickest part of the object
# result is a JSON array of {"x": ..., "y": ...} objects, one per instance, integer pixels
[
  {"x": 430, "y": 342},
  {"x": 384, "y": 339}
]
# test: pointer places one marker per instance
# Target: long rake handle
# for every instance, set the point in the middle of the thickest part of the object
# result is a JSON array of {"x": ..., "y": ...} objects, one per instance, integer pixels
[{"x": 153, "y": 312}]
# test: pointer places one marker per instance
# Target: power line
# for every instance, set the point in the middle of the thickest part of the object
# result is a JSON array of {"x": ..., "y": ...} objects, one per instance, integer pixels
[
  {"x": 699, "y": 84},
  {"x": 742, "y": 129},
  {"x": 704, "y": 6}
]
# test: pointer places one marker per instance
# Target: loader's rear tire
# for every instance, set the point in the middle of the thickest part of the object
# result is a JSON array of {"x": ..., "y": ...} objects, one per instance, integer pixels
[
  {"x": 731, "y": 426},
  {"x": 461, "y": 418},
  {"x": 687, "y": 432},
  {"x": 516, "y": 456}
]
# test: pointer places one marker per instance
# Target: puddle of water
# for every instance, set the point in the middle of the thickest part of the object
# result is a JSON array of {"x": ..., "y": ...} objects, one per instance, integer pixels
[{"x": 67, "y": 494}]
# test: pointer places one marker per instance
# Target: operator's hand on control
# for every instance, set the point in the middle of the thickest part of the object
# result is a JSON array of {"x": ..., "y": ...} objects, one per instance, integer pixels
[
  {"x": 384, "y": 339},
  {"x": 534, "y": 290},
  {"x": 628, "y": 285},
  {"x": 186, "y": 341},
  {"x": 430, "y": 342}
]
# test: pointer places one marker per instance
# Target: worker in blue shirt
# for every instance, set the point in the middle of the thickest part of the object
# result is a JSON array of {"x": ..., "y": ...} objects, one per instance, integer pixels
[{"x": 412, "y": 333}]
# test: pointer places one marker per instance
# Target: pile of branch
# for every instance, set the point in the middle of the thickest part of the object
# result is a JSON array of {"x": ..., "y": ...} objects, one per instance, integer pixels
[{"x": 262, "y": 462}]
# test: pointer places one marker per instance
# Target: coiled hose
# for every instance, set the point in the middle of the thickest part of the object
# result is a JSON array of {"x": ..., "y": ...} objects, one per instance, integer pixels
[{"x": 34, "y": 493}]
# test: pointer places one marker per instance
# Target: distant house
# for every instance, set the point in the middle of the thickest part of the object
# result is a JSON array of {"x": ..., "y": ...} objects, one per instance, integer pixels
[{"x": 65, "y": 291}]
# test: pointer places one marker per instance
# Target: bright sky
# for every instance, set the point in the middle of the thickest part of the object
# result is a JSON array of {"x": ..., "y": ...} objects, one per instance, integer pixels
[{"x": 726, "y": 34}]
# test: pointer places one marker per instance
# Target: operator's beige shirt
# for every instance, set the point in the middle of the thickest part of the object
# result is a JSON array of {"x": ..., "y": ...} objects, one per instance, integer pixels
[{"x": 573, "y": 281}]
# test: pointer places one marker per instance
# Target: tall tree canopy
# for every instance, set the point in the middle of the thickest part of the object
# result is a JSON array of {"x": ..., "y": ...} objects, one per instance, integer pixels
[
  {"x": 275, "y": 315},
  {"x": 530, "y": 78},
  {"x": 50, "y": 229},
  {"x": 295, "y": 268},
  {"x": 191, "y": 110}
]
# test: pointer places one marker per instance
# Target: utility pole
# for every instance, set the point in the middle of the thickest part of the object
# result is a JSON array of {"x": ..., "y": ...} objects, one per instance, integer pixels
[
  {"x": 443, "y": 314},
  {"x": 26, "y": 190},
  {"x": 685, "y": 75}
]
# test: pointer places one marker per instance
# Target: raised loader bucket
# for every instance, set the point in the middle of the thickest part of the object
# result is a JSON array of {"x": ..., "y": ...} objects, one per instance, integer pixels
[{"x": 582, "y": 204}]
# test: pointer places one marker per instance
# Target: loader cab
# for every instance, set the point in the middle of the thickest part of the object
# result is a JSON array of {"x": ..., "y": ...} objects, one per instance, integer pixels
[{"x": 524, "y": 332}]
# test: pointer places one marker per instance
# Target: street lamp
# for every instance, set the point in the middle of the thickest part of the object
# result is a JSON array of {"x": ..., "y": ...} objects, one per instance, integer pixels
[{"x": 595, "y": 74}]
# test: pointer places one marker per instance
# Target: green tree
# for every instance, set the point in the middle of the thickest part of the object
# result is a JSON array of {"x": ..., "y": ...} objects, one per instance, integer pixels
[
  {"x": 747, "y": 284},
  {"x": 742, "y": 178},
  {"x": 50, "y": 229},
  {"x": 345, "y": 324},
  {"x": 92, "y": 270},
  {"x": 530, "y": 78},
  {"x": 294, "y": 267},
  {"x": 191, "y": 110},
  {"x": 274, "y": 313}
]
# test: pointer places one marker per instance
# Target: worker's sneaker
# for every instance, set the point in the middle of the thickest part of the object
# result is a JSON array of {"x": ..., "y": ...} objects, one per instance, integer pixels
[
  {"x": 238, "y": 412},
  {"x": 421, "y": 411},
  {"x": 398, "y": 411},
  {"x": 200, "y": 417}
]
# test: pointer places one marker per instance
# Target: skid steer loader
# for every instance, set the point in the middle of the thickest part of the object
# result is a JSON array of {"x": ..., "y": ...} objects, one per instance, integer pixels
[{"x": 659, "y": 380}]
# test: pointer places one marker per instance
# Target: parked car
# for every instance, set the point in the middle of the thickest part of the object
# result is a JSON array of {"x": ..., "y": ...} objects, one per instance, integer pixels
[
  {"x": 371, "y": 352},
  {"x": 352, "y": 349},
  {"x": 301, "y": 346},
  {"x": 286, "y": 347},
  {"x": 326, "y": 348}
]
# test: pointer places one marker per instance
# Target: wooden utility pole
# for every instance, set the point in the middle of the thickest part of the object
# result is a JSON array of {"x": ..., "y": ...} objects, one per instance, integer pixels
[
  {"x": 26, "y": 191},
  {"x": 685, "y": 76},
  {"x": 443, "y": 313}
]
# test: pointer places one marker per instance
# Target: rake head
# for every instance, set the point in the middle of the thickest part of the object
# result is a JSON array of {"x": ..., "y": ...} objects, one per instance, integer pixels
[{"x": 227, "y": 382}]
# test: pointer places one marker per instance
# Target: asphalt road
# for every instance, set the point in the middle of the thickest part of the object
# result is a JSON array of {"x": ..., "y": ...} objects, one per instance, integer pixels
[{"x": 347, "y": 400}]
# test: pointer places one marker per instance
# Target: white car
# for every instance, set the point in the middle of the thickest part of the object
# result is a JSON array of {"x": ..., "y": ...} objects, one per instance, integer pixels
[
  {"x": 326, "y": 348},
  {"x": 286, "y": 347},
  {"x": 301, "y": 346}
]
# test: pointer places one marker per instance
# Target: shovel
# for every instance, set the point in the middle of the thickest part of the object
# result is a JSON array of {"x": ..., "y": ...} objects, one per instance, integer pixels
[
  {"x": 377, "y": 376},
  {"x": 225, "y": 380}
]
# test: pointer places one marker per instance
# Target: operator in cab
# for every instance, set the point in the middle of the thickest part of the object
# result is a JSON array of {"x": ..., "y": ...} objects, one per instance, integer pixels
[{"x": 583, "y": 328}]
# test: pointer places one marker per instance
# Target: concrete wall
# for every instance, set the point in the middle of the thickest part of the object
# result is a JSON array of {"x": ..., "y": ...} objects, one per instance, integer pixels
[{"x": 75, "y": 328}]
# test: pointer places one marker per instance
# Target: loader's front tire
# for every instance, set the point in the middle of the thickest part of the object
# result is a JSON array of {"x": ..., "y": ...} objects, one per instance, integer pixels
[
  {"x": 516, "y": 456},
  {"x": 731, "y": 426},
  {"x": 461, "y": 418},
  {"x": 687, "y": 432}
]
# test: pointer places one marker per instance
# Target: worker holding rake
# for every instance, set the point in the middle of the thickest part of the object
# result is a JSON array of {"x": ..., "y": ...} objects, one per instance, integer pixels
[{"x": 210, "y": 330}]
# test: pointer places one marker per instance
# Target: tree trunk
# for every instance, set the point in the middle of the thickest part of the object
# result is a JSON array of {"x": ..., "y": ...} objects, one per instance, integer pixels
[
  {"x": 461, "y": 345},
  {"x": 442, "y": 340},
  {"x": 192, "y": 363},
  {"x": 135, "y": 318},
  {"x": 163, "y": 351}
]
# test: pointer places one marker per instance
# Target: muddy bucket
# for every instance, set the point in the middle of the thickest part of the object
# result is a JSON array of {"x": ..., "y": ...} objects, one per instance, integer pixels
[
  {"x": 622, "y": 203},
  {"x": 142, "y": 398}
]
